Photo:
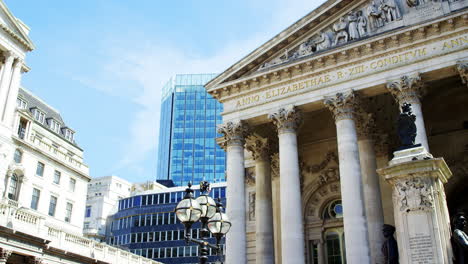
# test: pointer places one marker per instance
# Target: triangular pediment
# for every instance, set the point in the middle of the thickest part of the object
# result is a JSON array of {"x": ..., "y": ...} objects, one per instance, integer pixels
[
  {"x": 333, "y": 25},
  {"x": 14, "y": 27}
]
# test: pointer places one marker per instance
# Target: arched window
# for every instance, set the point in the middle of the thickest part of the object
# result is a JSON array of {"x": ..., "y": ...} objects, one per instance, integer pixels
[
  {"x": 333, "y": 210},
  {"x": 18, "y": 156},
  {"x": 13, "y": 188}
]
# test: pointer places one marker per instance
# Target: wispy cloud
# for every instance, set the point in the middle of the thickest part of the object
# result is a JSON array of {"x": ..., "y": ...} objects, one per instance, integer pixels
[{"x": 138, "y": 72}]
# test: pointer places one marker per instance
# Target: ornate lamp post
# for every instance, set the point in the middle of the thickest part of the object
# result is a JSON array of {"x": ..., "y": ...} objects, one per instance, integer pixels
[{"x": 209, "y": 213}]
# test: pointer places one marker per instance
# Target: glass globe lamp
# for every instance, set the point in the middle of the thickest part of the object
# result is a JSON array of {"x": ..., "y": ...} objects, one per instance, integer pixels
[
  {"x": 207, "y": 204},
  {"x": 188, "y": 211},
  {"x": 219, "y": 224}
]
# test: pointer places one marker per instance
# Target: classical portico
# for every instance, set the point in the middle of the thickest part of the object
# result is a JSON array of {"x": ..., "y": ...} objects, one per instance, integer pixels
[{"x": 321, "y": 101}]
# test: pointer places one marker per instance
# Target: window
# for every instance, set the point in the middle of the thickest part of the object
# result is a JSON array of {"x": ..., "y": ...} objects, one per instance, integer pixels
[
  {"x": 52, "y": 205},
  {"x": 86, "y": 225},
  {"x": 55, "y": 126},
  {"x": 68, "y": 212},
  {"x": 333, "y": 210},
  {"x": 21, "y": 104},
  {"x": 22, "y": 128},
  {"x": 35, "y": 198},
  {"x": 71, "y": 185},
  {"x": 88, "y": 211},
  {"x": 68, "y": 134},
  {"x": 39, "y": 116},
  {"x": 57, "y": 175},
  {"x": 13, "y": 188},
  {"x": 18, "y": 156},
  {"x": 40, "y": 169}
]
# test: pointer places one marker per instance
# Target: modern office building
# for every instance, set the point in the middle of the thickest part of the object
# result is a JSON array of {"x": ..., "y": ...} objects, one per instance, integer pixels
[
  {"x": 189, "y": 117},
  {"x": 146, "y": 225}
]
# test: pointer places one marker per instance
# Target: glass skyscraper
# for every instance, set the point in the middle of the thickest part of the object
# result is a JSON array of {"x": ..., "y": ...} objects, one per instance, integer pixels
[{"x": 189, "y": 117}]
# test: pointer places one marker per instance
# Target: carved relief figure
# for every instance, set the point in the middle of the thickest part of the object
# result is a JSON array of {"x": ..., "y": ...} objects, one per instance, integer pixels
[
  {"x": 374, "y": 16},
  {"x": 361, "y": 24},
  {"x": 323, "y": 42},
  {"x": 414, "y": 194},
  {"x": 342, "y": 35},
  {"x": 353, "y": 26},
  {"x": 304, "y": 49},
  {"x": 390, "y": 10}
]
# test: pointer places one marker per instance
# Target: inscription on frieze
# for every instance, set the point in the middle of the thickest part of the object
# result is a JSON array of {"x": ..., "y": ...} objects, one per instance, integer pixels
[
  {"x": 427, "y": 10},
  {"x": 422, "y": 251}
]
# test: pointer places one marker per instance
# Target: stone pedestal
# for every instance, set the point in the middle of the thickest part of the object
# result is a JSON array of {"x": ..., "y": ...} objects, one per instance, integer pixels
[{"x": 420, "y": 208}]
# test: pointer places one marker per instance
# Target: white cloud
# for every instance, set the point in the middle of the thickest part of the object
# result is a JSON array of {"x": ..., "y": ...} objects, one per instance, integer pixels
[{"x": 140, "y": 72}]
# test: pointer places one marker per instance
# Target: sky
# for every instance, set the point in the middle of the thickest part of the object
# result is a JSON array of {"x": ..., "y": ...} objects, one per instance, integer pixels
[{"x": 103, "y": 63}]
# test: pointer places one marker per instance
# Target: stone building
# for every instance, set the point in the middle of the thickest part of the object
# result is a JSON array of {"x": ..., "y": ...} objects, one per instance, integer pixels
[{"x": 310, "y": 116}]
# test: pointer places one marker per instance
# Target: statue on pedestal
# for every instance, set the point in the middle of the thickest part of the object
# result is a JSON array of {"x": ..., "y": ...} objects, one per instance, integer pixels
[
  {"x": 390, "y": 246},
  {"x": 460, "y": 240},
  {"x": 407, "y": 127}
]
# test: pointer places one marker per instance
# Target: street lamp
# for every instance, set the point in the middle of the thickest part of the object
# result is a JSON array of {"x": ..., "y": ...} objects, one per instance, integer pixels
[{"x": 209, "y": 213}]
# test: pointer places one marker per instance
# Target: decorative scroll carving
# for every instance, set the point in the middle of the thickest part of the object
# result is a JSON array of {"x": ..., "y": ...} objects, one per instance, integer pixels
[
  {"x": 259, "y": 147},
  {"x": 286, "y": 119},
  {"x": 342, "y": 105},
  {"x": 462, "y": 67},
  {"x": 5, "y": 254},
  {"x": 331, "y": 156},
  {"x": 408, "y": 89},
  {"x": 275, "y": 165},
  {"x": 329, "y": 175},
  {"x": 234, "y": 133},
  {"x": 414, "y": 194}
]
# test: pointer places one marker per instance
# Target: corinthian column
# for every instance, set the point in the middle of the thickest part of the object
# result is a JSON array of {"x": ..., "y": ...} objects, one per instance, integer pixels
[
  {"x": 5, "y": 80},
  {"x": 264, "y": 247},
  {"x": 234, "y": 139},
  {"x": 371, "y": 187},
  {"x": 8, "y": 113},
  {"x": 357, "y": 244},
  {"x": 410, "y": 89},
  {"x": 4, "y": 255},
  {"x": 287, "y": 121}
]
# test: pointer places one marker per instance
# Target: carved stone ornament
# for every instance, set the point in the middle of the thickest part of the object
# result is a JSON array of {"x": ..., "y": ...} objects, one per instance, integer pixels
[
  {"x": 414, "y": 194},
  {"x": 275, "y": 164},
  {"x": 252, "y": 198},
  {"x": 341, "y": 34},
  {"x": 407, "y": 89},
  {"x": 234, "y": 132},
  {"x": 342, "y": 105},
  {"x": 249, "y": 177},
  {"x": 5, "y": 254},
  {"x": 34, "y": 260},
  {"x": 331, "y": 156},
  {"x": 365, "y": 125},
  {"x": 329, "y": 175},
  {"x": 287, "y": 119},
  {"x": 462, "y": 67},
  {"x": 259, "y": 147}
]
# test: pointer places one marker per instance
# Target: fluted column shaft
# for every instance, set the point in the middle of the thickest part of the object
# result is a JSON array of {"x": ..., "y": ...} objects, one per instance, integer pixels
[
  {"x": 234, "y": 136},
  {"x": 264, "y": 245},
  {"x": 409, "y": 90},
  {"x": 287, "y": 121},
  {"x": 357, "y": 243},
  {"x": 8, "y": 114},
  {"x": 5, "y": 81}
]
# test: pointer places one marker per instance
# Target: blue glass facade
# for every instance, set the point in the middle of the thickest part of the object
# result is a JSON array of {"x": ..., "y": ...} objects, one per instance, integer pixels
[
  {"x": 189, "y": 116},
  {"x": 146, "y": 225}
]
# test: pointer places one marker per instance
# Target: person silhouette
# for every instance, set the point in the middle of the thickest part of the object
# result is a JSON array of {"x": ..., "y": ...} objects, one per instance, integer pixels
[
  {"x": 460, "y": 240},
  {"x": 390, "y": 246}
]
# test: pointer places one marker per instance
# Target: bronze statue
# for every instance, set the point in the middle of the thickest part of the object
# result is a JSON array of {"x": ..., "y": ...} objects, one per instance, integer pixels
[
  {"x": 460, "y": 240},
  {"x": 407, "y": 127},
  {"x": 389, "y": 247}
]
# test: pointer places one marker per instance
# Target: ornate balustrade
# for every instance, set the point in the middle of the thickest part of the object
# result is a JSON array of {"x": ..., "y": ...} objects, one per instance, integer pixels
[{"x": 26, "y": 221}]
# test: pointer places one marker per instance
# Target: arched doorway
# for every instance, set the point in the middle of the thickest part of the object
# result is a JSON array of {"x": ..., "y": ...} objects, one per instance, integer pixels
[{"x": 323, "y": 219}]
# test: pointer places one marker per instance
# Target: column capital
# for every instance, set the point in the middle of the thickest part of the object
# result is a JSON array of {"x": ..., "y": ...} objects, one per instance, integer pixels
[
  {"x": 287, "y": 119},
  {"x": 5, "y": 254},
  {"x": 407, "y": 89},
  {"x": 462, "y": 67},
  {"x": 18, "y": 62},
  {"x": 259, "y": 147},
  {"x": 342, "y": 105},
  {"x": 234, "y": 133}
]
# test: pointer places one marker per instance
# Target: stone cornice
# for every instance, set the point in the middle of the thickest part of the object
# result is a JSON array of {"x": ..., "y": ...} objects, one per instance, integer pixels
[
  {"x": 342, "y": 56},
  {"x": 18, "y": 38}
]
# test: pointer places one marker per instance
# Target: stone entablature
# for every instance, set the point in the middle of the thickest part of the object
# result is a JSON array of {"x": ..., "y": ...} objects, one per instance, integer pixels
[{"x": 349, "y": 62}]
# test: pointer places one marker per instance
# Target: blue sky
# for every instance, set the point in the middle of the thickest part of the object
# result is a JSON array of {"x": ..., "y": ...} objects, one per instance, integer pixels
[{"x": 102, "y": 63}]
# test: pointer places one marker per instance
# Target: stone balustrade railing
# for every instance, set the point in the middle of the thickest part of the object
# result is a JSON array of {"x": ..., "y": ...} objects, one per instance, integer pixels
[
  {"x": 26, "y": 221},
  {"x": 53, "y": 151}
]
